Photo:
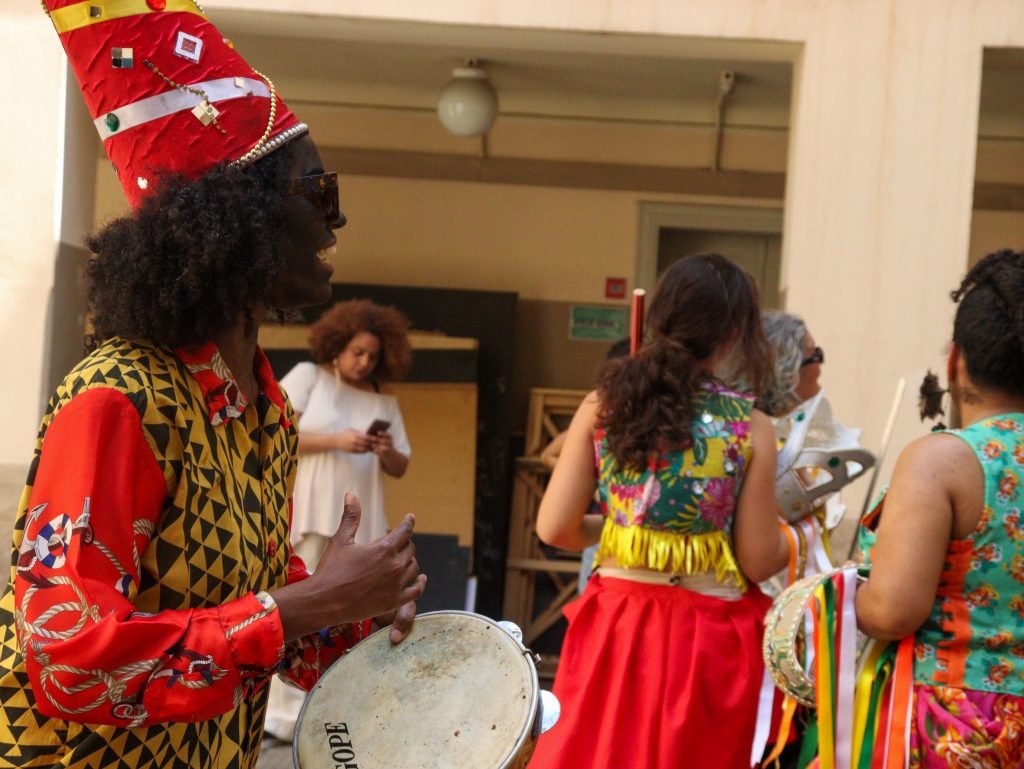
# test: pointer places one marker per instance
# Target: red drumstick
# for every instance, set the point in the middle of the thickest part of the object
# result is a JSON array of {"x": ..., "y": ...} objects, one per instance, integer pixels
[{"x": 636, "y": 324}]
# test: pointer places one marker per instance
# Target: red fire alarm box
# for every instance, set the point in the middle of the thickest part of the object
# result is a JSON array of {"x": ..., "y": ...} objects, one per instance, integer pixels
[{"x": 614, "y": 288}]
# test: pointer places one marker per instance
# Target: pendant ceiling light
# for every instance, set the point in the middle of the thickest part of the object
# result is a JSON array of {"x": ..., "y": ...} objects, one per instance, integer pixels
[{"x": 468, "y": 104}]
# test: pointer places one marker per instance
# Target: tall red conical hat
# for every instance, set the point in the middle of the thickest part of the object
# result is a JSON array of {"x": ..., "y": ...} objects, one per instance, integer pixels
[{"x": 166, "y": 91}]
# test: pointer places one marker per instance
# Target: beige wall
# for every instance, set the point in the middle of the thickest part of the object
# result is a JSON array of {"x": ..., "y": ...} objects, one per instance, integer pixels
[
  {"x": 555, "y": 244},
  {"x": 544, "y": 243},
  {"x": 880, "y": 171},
  {"x": 550, "y": 243}
]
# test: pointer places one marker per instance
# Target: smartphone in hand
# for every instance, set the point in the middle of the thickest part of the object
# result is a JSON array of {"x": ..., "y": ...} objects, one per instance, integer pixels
[{"x": 378, "y": 426}]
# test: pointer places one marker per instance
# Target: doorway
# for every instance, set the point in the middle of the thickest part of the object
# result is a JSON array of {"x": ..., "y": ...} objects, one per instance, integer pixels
[
  {"x": 756, "y": 253},
  {"x": 751, "y": 237}
]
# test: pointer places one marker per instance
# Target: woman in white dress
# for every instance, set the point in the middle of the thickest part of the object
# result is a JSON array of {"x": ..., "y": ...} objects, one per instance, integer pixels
[
  {"x": 350, "y": 433},
  {"x": 350, "y": 426}
]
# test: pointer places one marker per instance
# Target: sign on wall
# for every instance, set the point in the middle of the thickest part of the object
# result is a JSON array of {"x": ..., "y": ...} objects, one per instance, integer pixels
[{"x": 596, "y": 323}]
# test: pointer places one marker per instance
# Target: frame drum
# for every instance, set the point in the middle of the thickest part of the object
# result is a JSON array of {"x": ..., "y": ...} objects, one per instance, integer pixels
[
  {"x": 459, "y": 692},
  {"x": 784, "y": 644}
]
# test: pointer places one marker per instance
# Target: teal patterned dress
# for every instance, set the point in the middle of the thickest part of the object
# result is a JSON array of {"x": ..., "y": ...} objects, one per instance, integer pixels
[{"x": 968, "y": 704}]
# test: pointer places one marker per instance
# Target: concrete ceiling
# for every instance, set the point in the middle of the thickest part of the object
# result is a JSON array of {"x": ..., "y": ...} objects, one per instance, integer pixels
[
  {"x": 536, "y": 73},
  {"x": 557, "y": 74}
]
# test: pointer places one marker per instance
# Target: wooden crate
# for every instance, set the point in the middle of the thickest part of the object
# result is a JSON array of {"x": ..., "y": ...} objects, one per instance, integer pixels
[{"x": 550, "y": 412}]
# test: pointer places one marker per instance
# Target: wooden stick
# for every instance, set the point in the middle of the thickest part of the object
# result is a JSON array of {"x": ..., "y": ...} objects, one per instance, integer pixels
[
  {"x": 890, "y": 425},
  {"x": 636, "y": 323}
]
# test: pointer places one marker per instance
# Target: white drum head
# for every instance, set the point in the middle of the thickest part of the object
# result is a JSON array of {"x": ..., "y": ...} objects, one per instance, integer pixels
[{"x": 458, "y": 692}]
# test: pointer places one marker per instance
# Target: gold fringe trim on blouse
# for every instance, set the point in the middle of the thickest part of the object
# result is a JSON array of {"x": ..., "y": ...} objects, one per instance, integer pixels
[{"x": 635, "y": 547}]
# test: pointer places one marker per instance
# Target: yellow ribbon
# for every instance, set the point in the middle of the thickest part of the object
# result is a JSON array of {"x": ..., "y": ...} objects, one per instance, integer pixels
[
  {"x": 825, "y": 683},
  {"x": 72, "y": 17},
  {"x": 862, "y": 698}
]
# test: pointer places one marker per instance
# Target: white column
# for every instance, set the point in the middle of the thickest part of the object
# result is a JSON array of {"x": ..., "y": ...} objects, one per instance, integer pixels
[
  {"x": 878, "y": 207},
  {"x": 30, "y": 75},
  {"x": 75, "y": 201}
]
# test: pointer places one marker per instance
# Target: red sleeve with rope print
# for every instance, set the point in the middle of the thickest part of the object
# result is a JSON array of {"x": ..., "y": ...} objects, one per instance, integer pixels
[{"x": 90, "y": 655}]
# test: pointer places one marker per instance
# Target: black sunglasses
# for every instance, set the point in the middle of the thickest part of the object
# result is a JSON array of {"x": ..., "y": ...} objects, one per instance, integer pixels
[
  {"x": 818, "y": 356},
  {"x": 324, "y": 189}
]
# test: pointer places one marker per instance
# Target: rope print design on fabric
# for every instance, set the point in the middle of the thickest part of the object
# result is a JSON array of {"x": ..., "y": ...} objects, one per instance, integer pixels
[{"x": 227, "y": 498}]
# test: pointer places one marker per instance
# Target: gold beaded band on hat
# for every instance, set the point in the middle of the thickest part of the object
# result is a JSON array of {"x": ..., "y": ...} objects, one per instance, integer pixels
[
  {"x": 197, "y": 91},
  {"x": 266, "y": 145}
]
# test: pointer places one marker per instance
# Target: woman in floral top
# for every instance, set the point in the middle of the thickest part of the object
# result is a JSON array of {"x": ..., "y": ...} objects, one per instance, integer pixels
[
  {"x": 948, "y": 564},
  {"x": 661, "y": 665}
]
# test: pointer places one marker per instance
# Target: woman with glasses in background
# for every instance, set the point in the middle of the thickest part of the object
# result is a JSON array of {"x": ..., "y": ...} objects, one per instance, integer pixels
[
  {"x": 798, "y": 361},
  {"x": 803, "y": 421}
]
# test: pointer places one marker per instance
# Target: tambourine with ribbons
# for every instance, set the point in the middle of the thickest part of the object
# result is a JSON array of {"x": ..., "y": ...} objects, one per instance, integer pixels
[{"x": 861, "y": 690}]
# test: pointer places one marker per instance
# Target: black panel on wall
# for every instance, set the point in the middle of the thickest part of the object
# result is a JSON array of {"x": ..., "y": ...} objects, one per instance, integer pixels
[{"x": 490, "y": 318}]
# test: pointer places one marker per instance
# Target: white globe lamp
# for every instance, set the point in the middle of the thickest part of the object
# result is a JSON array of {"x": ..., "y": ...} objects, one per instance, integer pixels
[{"x": 468, "y": 104}]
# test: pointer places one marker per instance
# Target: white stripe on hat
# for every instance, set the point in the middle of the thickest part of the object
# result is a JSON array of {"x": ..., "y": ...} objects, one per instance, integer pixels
[{"x": 176, "y": 100}]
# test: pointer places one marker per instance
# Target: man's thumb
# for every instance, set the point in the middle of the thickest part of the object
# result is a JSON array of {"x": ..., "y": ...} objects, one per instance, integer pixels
[{"x": 350, "y": 518}]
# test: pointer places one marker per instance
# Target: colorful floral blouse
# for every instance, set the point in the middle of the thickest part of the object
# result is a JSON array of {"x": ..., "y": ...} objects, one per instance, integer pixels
[
  {"x": 974, "y": 637},
  {"x": 676, "y": 515},
  {"x": 136, "y": 627}
]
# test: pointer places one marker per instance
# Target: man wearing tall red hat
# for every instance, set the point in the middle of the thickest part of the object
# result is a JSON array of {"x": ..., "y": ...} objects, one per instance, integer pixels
[{"x": 152, "y": 590}]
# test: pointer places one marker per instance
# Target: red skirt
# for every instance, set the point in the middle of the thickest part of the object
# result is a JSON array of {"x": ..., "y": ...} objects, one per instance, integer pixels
[{"x": 656, "y": 677}]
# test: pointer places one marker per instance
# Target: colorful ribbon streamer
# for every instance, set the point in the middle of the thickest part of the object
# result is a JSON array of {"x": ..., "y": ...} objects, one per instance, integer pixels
[{"x": 863, "y": 706}]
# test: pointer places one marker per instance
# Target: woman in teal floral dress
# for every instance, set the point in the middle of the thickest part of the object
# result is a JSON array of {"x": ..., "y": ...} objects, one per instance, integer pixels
[
  {"x": 661, "y": 665},
  {"x": 948, "y": 563}
]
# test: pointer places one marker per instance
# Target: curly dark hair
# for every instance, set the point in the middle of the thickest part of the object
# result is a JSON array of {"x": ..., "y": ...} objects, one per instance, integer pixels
[
  {"x": 989, "y": 325},
  {"x": 330, "y": 335},
  {"x": 193, "y": 258},
  {"x": 647, "y": 401}
]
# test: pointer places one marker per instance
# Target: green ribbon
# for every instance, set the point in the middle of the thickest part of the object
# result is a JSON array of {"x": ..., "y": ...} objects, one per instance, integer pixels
[{"x": 879, "y": 684}]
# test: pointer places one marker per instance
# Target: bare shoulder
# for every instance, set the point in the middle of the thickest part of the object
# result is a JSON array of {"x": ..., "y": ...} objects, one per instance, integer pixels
[
  {"x": 762, "y": 431},
  {"x": 589, "y": 407},
  {"x": 587, "y": 412},
  {"x": 937, "y": 472},
  {"x": 936, "y": 452},
  {"x": 760, "y": 420}
]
